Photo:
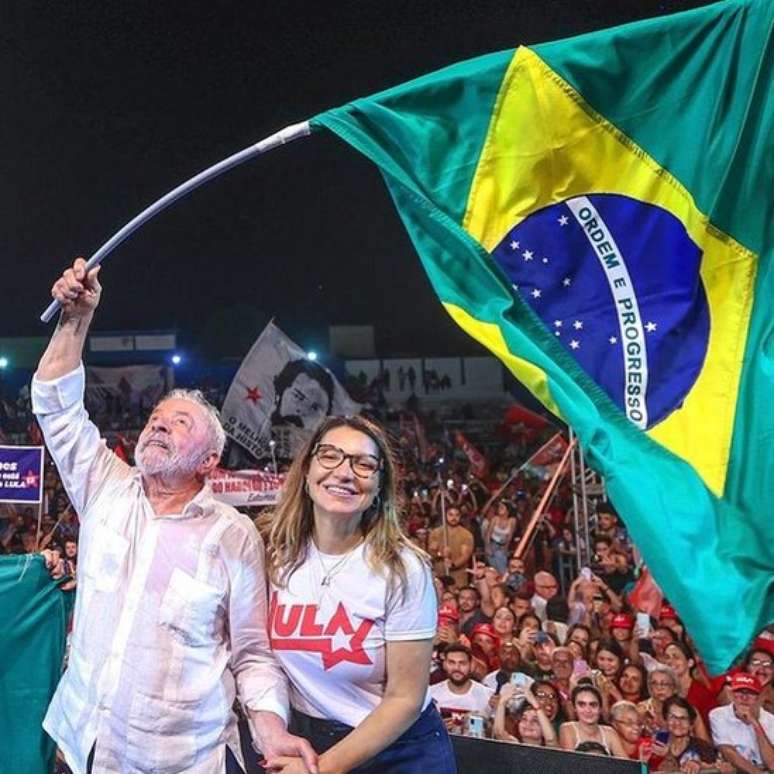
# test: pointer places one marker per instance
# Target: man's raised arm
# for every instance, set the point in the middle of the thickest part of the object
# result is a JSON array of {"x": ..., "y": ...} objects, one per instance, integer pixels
[
  {"x": 74, "y": 442},
  {"x": 79, "y": 294}
]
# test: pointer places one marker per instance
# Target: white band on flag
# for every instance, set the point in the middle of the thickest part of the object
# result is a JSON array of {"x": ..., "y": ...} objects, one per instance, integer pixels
[{"x": 634, "y": 351}]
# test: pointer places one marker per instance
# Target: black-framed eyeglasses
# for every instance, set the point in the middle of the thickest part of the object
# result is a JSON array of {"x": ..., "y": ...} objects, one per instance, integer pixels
[{"x": 330, "y": 457}]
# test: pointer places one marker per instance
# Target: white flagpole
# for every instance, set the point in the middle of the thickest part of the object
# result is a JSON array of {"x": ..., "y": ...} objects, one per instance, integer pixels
[{"x": 284, "y": 136}]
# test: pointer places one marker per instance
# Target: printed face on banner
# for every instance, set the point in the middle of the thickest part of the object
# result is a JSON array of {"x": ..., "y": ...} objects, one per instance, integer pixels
[
  {"x": 306, "y": 400},
  {"x": 280, "y": 395}
]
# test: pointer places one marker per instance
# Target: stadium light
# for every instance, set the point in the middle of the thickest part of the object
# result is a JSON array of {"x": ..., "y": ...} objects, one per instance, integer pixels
[
  {"x": 3, "y": 362},
  {"x": 176, "y": 359},
  {"x": 312, "y": 355}
]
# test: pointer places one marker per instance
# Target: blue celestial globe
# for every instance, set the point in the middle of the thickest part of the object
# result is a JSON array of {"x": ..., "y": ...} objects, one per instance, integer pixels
[{"x": 617, "y": 282}]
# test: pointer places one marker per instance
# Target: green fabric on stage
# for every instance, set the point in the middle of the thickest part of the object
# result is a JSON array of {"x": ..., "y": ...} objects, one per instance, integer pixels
[{"x": 33, "y": 614}]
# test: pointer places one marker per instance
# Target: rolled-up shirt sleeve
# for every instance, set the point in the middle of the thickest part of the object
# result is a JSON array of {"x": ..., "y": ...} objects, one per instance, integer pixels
[
  {"x": 261, "y": 683},
  {"x": 81, "y": 456}
]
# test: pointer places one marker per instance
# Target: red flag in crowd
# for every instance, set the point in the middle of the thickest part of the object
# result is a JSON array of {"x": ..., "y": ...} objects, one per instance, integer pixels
[
  {"x": 425, "y": 453},
  {"x": 478, "y": 462},
  {"x": 646, "y": 596},
  {"x": 518, "y": 415},
  {"x": 544, "y": 461}
]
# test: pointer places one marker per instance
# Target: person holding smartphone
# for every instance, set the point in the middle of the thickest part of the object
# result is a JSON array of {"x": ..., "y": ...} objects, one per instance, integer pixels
[
  {"x": 676, "y": 749},
  {"x": 529, "y": 723}
]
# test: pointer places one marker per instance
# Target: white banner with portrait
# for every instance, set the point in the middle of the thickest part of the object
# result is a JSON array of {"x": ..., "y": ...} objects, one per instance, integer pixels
[{"x": 279, "y": 394}]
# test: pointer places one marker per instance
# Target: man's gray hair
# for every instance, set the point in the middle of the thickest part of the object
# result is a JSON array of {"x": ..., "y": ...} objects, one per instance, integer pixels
[{"x": 216, "y": 433}]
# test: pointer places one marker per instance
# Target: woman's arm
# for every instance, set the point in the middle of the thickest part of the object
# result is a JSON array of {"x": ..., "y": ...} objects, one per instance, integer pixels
[
  {"x": 479, "y": 580},
  {"x": 566, "y": 736},
  {"x": 614, "y": 742},
  {"x": 498, "y": 727},
  {"x": 549, "y": 735},
  {"x": 408, "y": 667}
]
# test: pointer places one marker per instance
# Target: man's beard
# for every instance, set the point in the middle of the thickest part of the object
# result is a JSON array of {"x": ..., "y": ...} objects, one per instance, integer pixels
[
  {"x": 457, "y": 681},
  {"x": 171, "y": 464}
]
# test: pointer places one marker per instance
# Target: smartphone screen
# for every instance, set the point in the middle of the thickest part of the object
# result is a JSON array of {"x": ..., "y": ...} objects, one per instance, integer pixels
[
  {"x": 643, "y": 623},
  {"x": 519, "y": 678},
  {"x": 475, "y": 726},
  {"x": 580, "y": 667}
]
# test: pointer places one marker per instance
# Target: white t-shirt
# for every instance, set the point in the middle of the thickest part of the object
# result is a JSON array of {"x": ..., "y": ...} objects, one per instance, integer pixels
[
  {"x": 476, "y": 699},
  {"x": 331, "y": 639},
  {"x": 728, "y": 729}
]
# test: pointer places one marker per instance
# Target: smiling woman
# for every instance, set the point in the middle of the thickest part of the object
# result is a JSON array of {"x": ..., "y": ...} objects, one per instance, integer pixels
[{"x": 353, "y": 609}]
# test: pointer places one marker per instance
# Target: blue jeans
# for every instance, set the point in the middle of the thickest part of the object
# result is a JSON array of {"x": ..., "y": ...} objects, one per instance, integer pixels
[{"x": 424, "y": 748}]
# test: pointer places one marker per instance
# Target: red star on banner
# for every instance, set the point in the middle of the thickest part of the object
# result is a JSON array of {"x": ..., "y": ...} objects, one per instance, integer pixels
[
  {"x": 253, "y": 394},
  {"x": 31, "y": 478}
]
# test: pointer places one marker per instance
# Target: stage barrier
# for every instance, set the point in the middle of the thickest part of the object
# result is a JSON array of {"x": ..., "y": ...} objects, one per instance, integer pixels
[{"x": 486, "y": 756}]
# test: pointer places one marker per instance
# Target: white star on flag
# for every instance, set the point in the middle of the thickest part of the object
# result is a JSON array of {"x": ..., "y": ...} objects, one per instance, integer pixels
[
  {"x": 578, "y": 325},
  {"x": 557, "y": 323},
  {"x": 613, "y": 340},
  {"x": 515, "y": 245},
  {"x": 567, "y": 282},
  {"x": 545, "y": 260},
  {"x": 527, "y": 255},
  {"x": 650, "y": 327},
  {"x": 557, "y": 333},
  {"x": 574, "y": 344},
  {"x": 515, "y": 287},
  {"x": 536, "y": 293},
  {"x": 563, "y": 219}
]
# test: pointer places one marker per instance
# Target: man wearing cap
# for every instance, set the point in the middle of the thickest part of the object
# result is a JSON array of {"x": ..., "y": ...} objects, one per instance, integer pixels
[
  {"x": 621, "y": 630},
  {"x": 448, "y": 625},
  {"x": 742, "y": 730}
]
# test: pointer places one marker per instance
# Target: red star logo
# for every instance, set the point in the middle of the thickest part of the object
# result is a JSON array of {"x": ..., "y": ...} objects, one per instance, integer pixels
[
  {"x": 355, "y": 653},
  {"x": 300, "y": 620},
  {"x": 253, "y": 394},
  {"x": 31, "y": 478}
]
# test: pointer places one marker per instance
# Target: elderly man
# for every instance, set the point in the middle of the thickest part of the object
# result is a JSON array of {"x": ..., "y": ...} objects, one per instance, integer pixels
[
  {"x": 546, "y": 587},
  {"x": 171, "y": 606},
  {"x": 742, "y": 730}
]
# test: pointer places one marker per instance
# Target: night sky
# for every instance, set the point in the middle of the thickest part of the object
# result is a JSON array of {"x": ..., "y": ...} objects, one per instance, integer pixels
[{"x": 108, "y": 105}]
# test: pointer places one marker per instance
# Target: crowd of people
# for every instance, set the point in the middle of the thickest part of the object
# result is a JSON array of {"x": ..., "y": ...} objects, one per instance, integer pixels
[
  {"x": 525, "y": 651},
  {"x": 527, "y": 647}
]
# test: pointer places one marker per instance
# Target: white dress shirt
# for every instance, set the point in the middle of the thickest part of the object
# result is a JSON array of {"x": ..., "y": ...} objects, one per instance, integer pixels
[
  {"x": 728, "y": 729},
  {"x": 170, "y": 614}
]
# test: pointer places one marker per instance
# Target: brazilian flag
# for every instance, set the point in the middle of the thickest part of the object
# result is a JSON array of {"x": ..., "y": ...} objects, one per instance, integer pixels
[{"x": 597, "y": 212}]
